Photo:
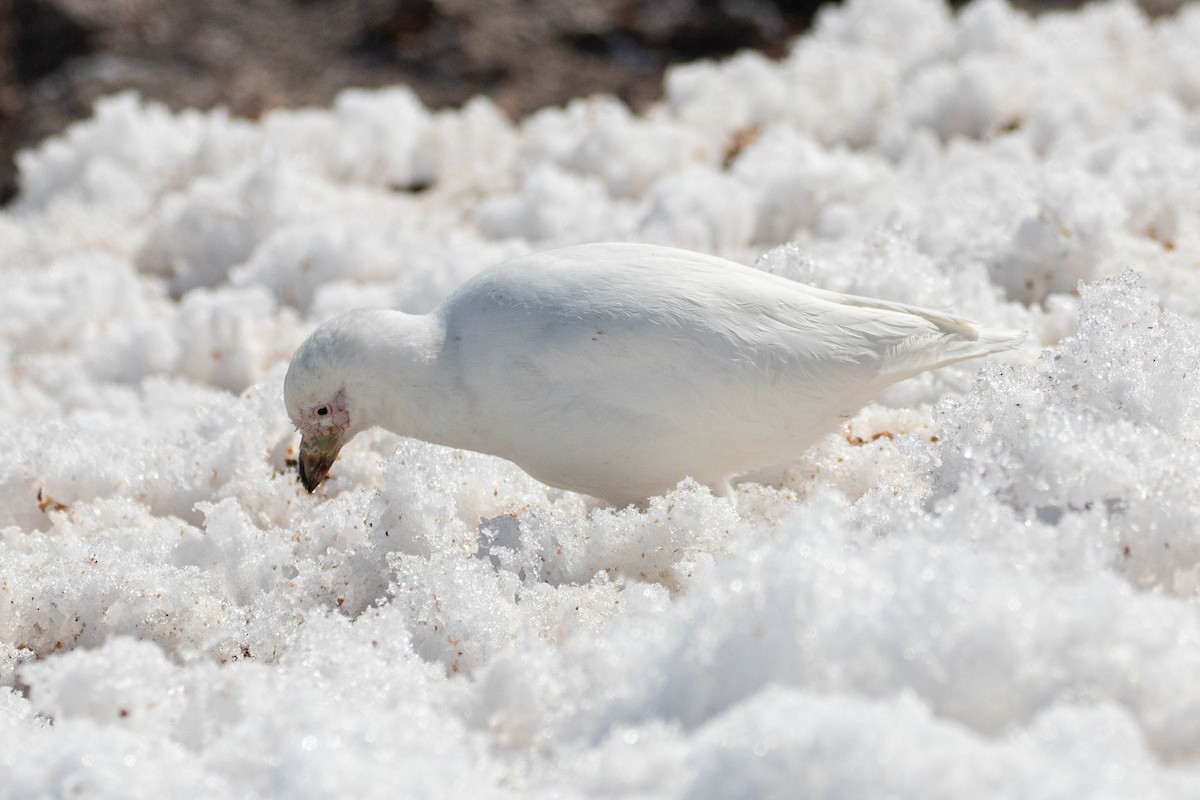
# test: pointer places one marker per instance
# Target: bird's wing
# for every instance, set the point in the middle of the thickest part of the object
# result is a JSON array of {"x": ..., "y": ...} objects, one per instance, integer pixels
[{"x": 599, "y": 331}]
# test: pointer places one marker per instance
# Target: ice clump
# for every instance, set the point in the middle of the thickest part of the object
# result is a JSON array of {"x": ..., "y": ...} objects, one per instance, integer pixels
[{"x": 985, "y": 585}]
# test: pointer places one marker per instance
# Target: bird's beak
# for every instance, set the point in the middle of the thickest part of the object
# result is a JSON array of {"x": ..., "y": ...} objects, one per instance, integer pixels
[{"x": 316, "y": 457}]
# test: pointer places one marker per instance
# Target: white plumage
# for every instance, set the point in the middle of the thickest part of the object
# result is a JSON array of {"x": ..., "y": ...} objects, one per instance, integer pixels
[{"x": 617, "y": 370}]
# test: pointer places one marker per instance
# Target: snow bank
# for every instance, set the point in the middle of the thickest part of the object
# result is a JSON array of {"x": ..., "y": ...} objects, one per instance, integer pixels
[{"x": 985, "y": 586}]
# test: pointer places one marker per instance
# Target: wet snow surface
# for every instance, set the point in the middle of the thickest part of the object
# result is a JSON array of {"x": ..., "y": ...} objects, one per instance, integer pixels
[{"x": 986, "y": 586}]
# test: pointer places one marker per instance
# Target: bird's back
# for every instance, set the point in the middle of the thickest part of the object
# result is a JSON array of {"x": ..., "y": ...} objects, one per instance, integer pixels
[{"x": 617, "y": 370}]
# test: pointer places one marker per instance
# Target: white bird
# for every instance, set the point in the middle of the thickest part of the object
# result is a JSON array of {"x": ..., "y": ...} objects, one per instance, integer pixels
[{"x": 617, "y": 370}]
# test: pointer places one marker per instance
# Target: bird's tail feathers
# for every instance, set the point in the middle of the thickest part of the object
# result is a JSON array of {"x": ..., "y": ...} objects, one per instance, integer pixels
[
  {"x": 965, "y": 328},
  {"x": 996, "y": 340},
  {"x": 961, "y": 341},
  {"x": 951, "y": 339}
]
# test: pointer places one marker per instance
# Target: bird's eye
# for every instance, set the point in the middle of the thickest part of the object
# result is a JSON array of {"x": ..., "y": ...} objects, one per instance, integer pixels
[{"x": 323, "y": 411}]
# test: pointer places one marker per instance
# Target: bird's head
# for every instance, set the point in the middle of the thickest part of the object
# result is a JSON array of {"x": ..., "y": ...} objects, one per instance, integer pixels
[
  {"x": 364, "y": 368},
  {"x": 318, "y": 393}
]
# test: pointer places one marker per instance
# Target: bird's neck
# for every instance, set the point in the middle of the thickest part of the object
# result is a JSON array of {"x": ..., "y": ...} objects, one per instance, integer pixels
[{"x": 406, "y": 389}]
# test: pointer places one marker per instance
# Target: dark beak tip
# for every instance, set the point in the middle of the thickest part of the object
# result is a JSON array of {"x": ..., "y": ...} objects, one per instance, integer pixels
[
  {"x": 306, "y": 479},
  {"x": 313, "y": 471},
  {"x": 315, "y": 458}
]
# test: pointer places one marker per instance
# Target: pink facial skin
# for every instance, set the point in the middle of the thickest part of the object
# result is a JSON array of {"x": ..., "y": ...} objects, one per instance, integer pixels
[
  {"x": 322, "y": 429},
  {"x": 314, "y": 424}
]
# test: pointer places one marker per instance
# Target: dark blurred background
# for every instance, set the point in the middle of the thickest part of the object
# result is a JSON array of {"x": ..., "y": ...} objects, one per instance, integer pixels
[{"x": 58, "y": 56}]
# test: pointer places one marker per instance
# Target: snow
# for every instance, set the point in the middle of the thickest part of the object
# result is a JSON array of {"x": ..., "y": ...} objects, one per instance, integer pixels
[{"x": 986, "y": 586}]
